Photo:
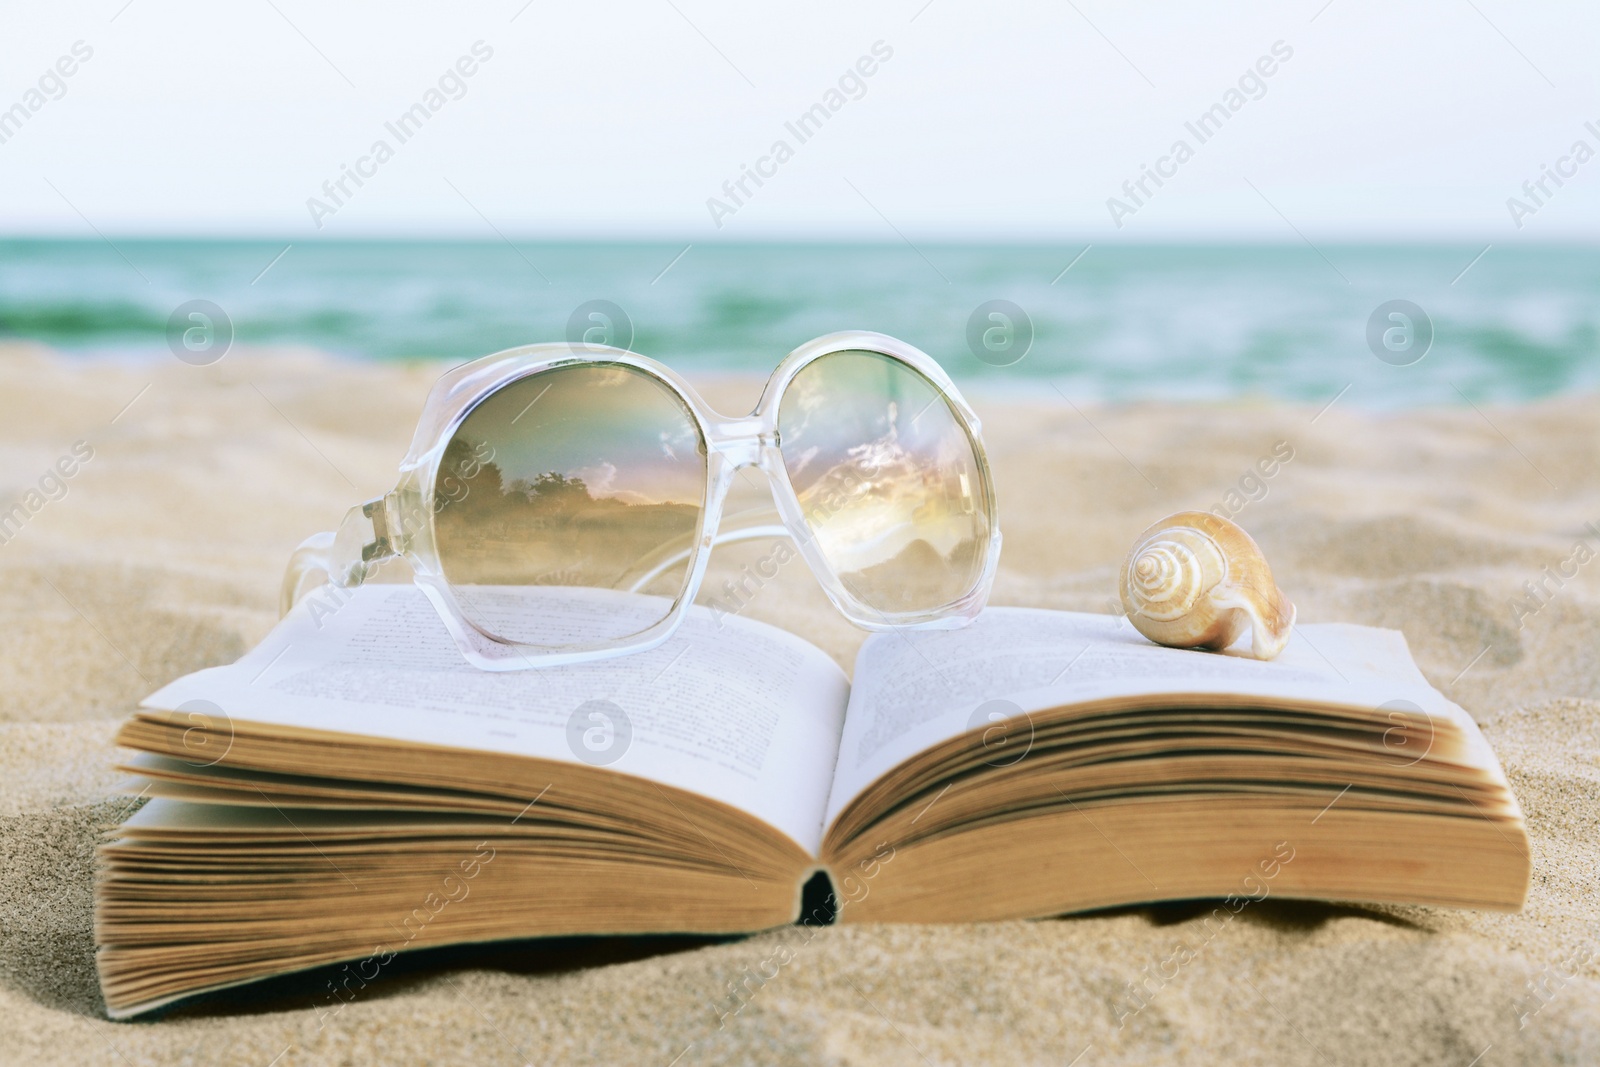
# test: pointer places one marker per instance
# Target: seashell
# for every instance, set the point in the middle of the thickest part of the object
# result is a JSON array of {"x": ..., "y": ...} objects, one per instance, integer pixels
[{"x": 1194, "y": 580}]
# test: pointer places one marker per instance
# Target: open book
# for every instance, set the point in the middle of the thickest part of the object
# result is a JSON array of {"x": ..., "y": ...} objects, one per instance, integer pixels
[{"x": 351, "y": 788}]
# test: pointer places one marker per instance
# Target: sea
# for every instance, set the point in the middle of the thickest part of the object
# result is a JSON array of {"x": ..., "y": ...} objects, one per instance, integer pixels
[{"x": 1376, "y": 326}]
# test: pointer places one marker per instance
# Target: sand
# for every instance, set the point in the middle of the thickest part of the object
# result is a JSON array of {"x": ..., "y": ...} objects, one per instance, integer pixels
[{"x": 165, "y": 552}]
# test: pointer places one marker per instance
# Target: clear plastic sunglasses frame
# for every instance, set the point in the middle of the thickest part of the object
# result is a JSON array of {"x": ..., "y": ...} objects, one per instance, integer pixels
[{"x": 400, "y": 523}]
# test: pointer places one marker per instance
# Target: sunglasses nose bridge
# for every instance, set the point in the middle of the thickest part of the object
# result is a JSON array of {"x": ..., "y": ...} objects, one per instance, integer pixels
[{"x": 740, "y": 441}]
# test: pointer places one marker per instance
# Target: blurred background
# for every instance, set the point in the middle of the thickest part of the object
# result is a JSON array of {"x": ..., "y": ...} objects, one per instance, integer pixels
[{"x": 1395, "y": 204}]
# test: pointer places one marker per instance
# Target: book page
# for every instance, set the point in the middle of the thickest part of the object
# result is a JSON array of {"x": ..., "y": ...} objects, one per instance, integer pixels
[
  {"x": 741, "y": 712},
  {"x": 915, "y": 689}
]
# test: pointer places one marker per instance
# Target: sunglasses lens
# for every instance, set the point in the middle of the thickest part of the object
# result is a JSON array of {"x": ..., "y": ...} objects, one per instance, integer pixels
[
  {"x": 888, "y": 479},
  {"x": 566, "y": 504}
]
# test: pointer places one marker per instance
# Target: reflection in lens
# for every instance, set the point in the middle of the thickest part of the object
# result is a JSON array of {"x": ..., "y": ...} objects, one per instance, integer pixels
[
  {"x": 560, "y": 492},
  {"x": 888, "y": 479}
]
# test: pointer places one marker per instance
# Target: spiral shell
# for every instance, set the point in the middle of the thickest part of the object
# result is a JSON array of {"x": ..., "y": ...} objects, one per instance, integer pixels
[{"x": 1194, "y": 580}]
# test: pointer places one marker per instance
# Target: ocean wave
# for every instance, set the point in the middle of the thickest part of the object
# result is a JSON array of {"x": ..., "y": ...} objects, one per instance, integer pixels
[{"x": 1113, "y": 323}]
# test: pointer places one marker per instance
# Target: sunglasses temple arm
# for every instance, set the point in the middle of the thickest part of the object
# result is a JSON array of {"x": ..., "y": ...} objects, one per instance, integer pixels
[
  {"x": 746, "y": 527},
  {"x": 344, "y": 559}
]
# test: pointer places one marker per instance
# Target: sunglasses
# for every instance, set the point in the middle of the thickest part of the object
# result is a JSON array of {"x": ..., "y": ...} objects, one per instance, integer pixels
[{"x": 559, "y": 502}]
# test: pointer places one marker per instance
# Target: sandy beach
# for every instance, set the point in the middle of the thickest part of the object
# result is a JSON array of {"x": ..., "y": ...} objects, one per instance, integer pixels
[{"x": 162, "y": 551}]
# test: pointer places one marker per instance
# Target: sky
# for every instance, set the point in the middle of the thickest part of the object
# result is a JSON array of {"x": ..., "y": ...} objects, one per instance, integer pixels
[{"x": 980, "y": 122}]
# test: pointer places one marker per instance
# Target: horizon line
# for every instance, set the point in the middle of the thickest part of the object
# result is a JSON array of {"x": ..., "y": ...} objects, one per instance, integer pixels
[{"x": 800, "y": 240}]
